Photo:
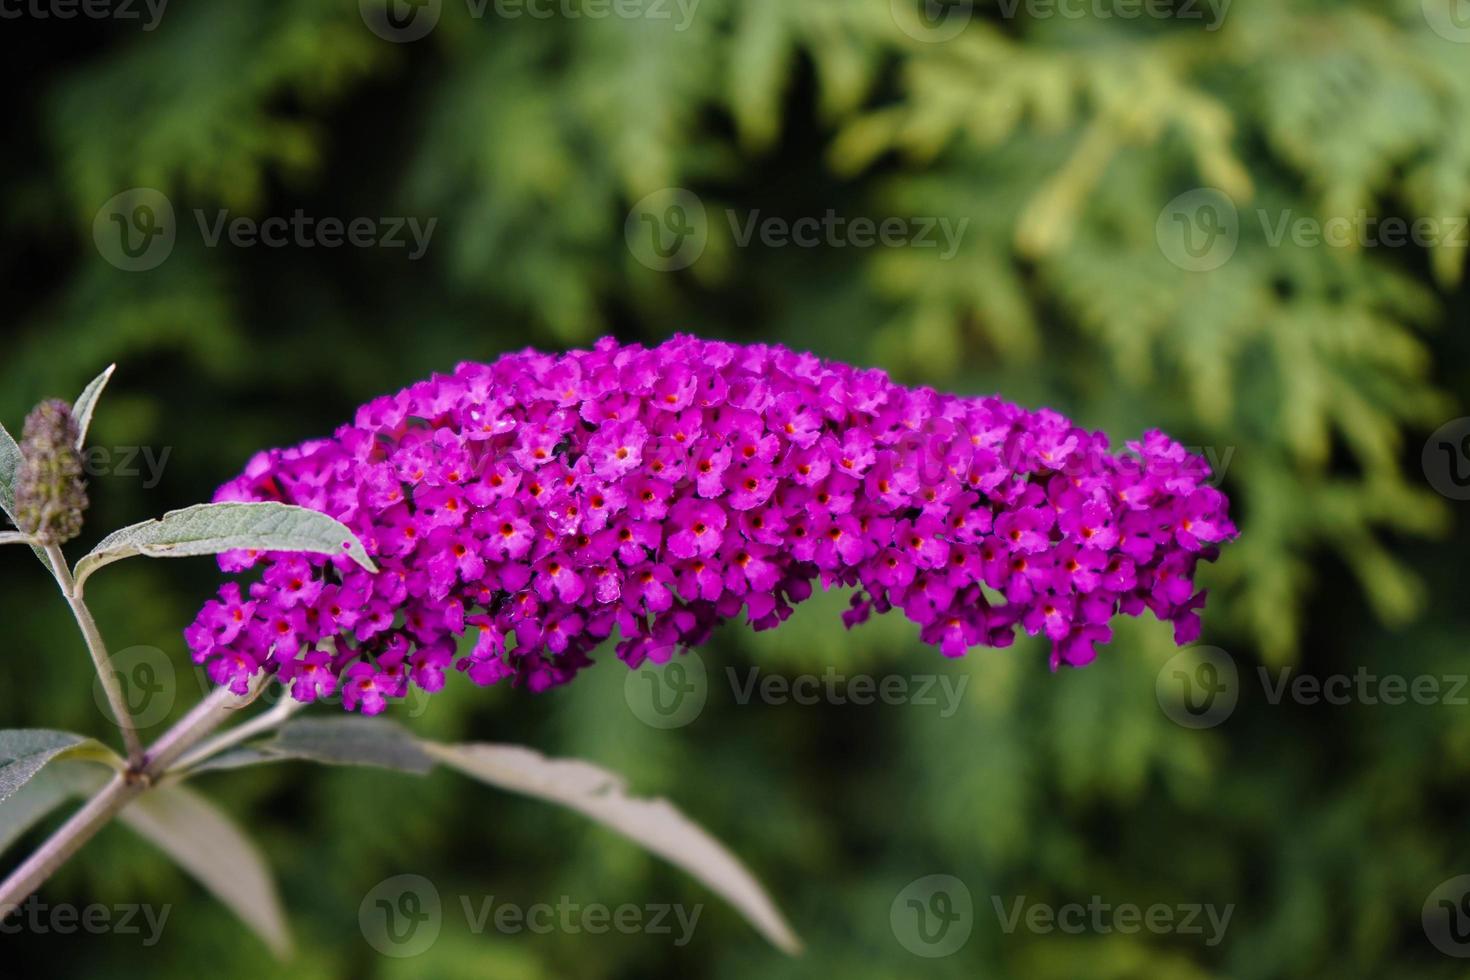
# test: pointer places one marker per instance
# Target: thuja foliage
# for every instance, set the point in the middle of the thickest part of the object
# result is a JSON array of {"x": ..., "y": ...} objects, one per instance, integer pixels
[{"x": 1060, "y": 138}]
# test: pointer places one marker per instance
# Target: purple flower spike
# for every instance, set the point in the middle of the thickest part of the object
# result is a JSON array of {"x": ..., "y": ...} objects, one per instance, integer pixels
[{"x": 543, "y": 502}]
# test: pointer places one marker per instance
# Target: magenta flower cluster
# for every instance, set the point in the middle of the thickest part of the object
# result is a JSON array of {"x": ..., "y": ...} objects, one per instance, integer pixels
[{"x": 541, "y": 503}]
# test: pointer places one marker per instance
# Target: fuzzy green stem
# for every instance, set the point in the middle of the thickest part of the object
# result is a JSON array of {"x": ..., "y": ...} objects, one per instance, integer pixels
[
  {"x": 67, "y": 840},
  {"x": 98, "y": 649},
  {"x": 204, "y": 718},
  {"x": 268, "y": 721}
]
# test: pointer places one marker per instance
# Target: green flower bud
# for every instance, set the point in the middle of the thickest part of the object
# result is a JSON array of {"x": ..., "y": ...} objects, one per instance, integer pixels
[{"x": 50, "y": 494}]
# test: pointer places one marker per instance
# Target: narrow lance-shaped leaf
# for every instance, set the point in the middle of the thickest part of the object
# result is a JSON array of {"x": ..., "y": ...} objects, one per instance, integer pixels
[
  {"x": 25, "y": 752},
  {"x": 207, "y": 843},
  {"x": 62, "y": 780},
  {"x": 588, "y": 789},
  {"x": 236, "y": 758},
  {"x": 654, "y": 824},
  {"x": 351, "y": 742},
  {"x": 210, "y": 529},
  {"x": 86, "y": 404},
  {"x": 9, "y": 467},
  {"x": 344, "y": 741}
]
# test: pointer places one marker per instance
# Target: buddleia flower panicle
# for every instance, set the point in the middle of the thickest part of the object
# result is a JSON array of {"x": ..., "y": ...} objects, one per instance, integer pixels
[
  {"x": 50, "y": 493},
  {"x": 541, "y": 503}
]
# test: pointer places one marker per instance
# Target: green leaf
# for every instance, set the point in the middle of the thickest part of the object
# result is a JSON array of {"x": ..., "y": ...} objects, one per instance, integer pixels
[
  {"x": 351, "y": 742},
  {"x": 9, "y": 467},
  {"x": 86, "y": 404},
  {"x": 761, "y": 49},
  {"x": 209, "y": 529},
  {"x": 237, "y": 758},
  {"x": 581, "y": 786},
  {"x": 58, "y": 782},
  {"x": 655, "y": 824},
  {"x": 25, "y": 751},
  {"x": 334, "y": 742},
  {"x": 207, "y": 843}
]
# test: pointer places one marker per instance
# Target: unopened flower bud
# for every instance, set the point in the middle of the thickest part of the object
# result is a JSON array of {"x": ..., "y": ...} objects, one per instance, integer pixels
[{"x": 50, "y": 494}]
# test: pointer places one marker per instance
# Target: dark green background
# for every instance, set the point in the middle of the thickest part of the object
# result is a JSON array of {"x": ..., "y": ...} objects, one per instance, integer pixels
[{"x": 1320, "y": 371}]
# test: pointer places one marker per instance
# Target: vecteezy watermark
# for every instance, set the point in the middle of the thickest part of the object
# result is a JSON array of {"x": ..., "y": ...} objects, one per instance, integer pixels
[
  {"x": 1199, "y": 230},
  {"x": 402, "y": 21},
  {"x": 932, "y": 21},
  {"x": 1363, "y": 686},
  {"x": 127, "y": 462},
  {"x": 136, "y": 230},
  {"x": 149, "y": 686},
  {"x": 413, "y": 703},
  {"x": 1199, "y": 687},
  {"x": 566, "y": 916},
  {"x": 403, "y": 916},
  {"x": 1363, "y": 230},
  {"x": 833, "y": 230},
  {"x": 41, "y": 918},
  {"x": 932, "y": 916},
  {"x": 1446, "y": 459},
  {"x": 1210, "y": 14},
  {"x": 673, "y": 693},
  {"x": 940, "y": 691},
  {"x": 936, "y": 21},
  {"x": 149, "y": 12},
  {"x": 1098, "y": 917},
  {"x": 670, "y": 694},
  {"x": 1446, "y": 917},
  {"x": 1218, "y": 457},
  {"x": 1450, "y": 19},
  {"x": 304, "y": 231},
  {"x": 669, "y": 230}
]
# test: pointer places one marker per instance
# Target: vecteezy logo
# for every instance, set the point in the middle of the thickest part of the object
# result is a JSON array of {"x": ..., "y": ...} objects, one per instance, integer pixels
[
  {"x": 1446, "y": 459},
  {"x": 145, "y": 676},
  {"x": 1446, "y": 917},
  {"x": 932, "y": 916},
  {"x": 669, "y": 695},
  {"x": 135, "y": 230},
  {"x": 400, "y": 21},
  {"x": 401, "y": 916},
  {"x": 667, "y": 230},
  {"x": 932, "y": 21},
  {"x": 1198, "y": 230},
  {"x": 1450, "y": 19},
  {"x": 1198, "y": 687}
]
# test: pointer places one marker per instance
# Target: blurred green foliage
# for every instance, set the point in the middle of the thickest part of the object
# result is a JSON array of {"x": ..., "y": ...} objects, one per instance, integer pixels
[{"x": 1313, "y": 373}]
